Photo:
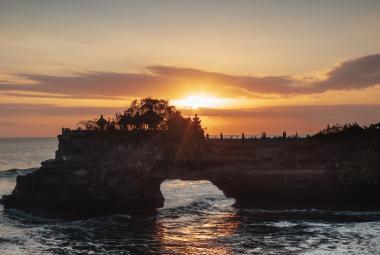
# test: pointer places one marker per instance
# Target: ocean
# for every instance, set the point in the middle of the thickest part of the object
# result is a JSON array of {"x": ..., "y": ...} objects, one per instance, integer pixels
[{"x": 196, "y": 219}]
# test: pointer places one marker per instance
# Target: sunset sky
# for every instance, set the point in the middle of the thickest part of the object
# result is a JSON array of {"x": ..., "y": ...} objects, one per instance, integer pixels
[{"x": 244, "y": 66}]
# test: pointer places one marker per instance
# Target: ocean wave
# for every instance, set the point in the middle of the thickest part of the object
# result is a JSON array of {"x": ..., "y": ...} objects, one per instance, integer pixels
[
  {"x": 200, "y": 206},
  {"x": 281, "y": 211},
  {"x": 22, "y": 217},
  {"x": 357, "y": 213},
  {"x": 15, "y": 172},
  {"x": 283, "y": 224},
  {"x": 314, "y": 217},
  {"x": 313, "y": 211}
]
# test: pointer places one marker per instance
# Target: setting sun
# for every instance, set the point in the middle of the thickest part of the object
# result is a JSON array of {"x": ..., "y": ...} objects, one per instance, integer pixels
[{"x": 197, "y": 101}]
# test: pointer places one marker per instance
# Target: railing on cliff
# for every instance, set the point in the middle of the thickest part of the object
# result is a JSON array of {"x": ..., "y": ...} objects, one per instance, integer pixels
[{"x": 221, "y": 136}]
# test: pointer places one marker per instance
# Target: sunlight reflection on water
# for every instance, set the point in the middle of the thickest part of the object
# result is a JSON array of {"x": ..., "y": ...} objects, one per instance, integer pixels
[
  {"x": 202, "y": 229},
  {"x": 196, "y": 219}
]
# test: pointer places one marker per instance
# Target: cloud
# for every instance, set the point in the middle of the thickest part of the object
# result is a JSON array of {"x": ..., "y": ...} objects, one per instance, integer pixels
[
  {"x": 19, "y": 110},
  {"x": 93, "y": 84},
  {"x": 357, "y": 73},
  {"x": 276, "y": 119},
  {"x": 353, "y": 74},
  {"x": 59, "y": 96},
  {"x": 240, "y": 85},
  {"x": 325, "y": 113},
  {"x": 8, "y": 123},
  {"x": 320, "y": 113},
  {"x": 173, "y": 82}
]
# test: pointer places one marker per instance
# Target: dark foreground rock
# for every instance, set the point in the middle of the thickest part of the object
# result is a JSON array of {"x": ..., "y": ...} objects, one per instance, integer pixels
[
  {"x": 64, "y": 190},
  {"x": 96, "y": 173}
]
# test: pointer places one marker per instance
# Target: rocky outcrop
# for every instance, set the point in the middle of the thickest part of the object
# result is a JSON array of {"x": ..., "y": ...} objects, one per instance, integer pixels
[
  {"x": 98, "y": 173},
  {"x": 93, "y": 174},
  {"x": 288, "y": 173}
]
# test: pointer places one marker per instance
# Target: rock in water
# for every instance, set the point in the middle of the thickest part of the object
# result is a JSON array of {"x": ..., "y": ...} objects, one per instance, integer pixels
[
  {"x": 104, "y": 172},
  {"x": 93, "y": 174}
]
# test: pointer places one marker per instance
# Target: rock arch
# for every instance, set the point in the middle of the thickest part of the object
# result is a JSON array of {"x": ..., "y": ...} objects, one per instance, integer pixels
[{"x": 97, "y": 174}]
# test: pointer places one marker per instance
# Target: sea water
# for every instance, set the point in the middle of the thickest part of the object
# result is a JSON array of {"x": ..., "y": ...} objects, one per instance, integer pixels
[{"x": 196, "y": 219}]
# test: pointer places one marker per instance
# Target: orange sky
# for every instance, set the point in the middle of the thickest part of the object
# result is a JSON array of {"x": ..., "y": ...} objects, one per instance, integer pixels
[{"x": 244, "y": 66}]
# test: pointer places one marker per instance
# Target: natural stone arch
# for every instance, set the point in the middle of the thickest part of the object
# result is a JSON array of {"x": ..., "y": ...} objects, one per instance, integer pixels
[{"x": 179, "y": 192}]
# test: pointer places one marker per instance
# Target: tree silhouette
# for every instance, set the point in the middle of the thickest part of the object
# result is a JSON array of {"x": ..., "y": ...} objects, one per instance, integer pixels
[
  {"x": 137, "y": 121},
  {"x": 87, "y": 124},
  {"x": 101, "y": 123},
  {"x": 121, "y": 121},
  {"x": 197, "y": 127},
  {"x": 151, "y": 119},
  {"x": 153, "y": 115}
]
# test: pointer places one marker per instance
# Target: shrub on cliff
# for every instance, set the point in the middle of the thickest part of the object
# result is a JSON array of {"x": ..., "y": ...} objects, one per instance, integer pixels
[
  {"x": 362, "y": 163},
  {"x": 349, "y": 130},
  {"x": 370, "y": 160}
]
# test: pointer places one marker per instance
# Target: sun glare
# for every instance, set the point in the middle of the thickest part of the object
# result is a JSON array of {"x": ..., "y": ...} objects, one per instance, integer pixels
[{"x": 198, "y": 101}]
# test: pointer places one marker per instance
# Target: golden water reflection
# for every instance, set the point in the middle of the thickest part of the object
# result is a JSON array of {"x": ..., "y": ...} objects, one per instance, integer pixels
[{"x": 192, "y": 235}]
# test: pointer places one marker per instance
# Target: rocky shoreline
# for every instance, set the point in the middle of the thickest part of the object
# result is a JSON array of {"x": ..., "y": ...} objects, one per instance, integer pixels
[{"x": 96, "y": 174}]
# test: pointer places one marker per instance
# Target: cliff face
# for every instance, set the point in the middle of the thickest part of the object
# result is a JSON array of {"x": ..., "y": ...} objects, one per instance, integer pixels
[
  {"x": 287, "y": 173},
  {"x": 95, "y": 173}
]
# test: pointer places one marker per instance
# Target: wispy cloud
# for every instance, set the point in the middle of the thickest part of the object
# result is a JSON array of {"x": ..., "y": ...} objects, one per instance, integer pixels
[
  {"x": 8, "y": 123},
  {"x": 169, "y": 82},
  {"x": 357, "y": 73},
  {"x": 19, "y": 110},
  {"x": 93, "y": 84},
  {"x": 308, "y": 113},
  {"x": 324, "y": 113}
]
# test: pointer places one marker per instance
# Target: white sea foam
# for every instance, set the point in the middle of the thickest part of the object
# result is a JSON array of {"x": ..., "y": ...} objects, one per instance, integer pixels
[
  {"x": 283, "y": 224},
  {"x": 196, "y": 219}
]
